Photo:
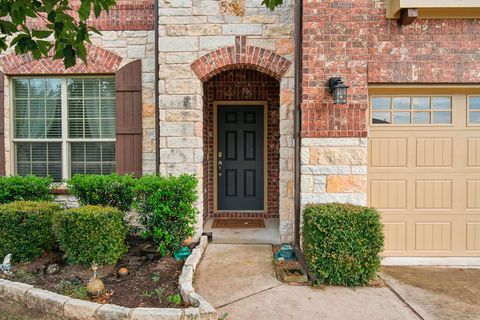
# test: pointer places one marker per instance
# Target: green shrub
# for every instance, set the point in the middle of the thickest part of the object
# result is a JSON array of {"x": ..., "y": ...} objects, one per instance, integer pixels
[
  {"x": 167, "y": 209},
  {"x": 91, "y": 233},
  {"x": 26, "y": 229},
  {"x": 25, "y": 188},
  {"x": 342, "y": 243},
  {"x": 111, "y": 190}
]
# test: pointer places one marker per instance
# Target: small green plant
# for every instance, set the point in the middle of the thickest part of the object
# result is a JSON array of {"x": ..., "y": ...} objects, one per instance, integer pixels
[
  {"x": 159, "y": 292},
  {"x": 74, "y": 290},
  {"x": 224, "y": 316},
  {"x": 24, "y": 276},
  {"x": 107, "y": 190},
  {"x": 342, "y": 243},
  {"x": 167, "y": 208},
  {"x": 26, "y": 229},
  {"x": 146, "y": 294},
  {"x": 176, "y": 299},
  {"x": 91, "y": 233},
  {"x": 156, "y": 277},
  {"x": 25, "y": 188}
]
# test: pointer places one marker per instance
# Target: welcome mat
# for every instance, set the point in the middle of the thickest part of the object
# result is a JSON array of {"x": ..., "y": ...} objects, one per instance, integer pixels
[{"x": 238, "y": 223}]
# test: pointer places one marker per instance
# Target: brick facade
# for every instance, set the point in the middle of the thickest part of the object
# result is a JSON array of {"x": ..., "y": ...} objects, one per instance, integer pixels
[
  {"x": 99, "y": 61},
  {"x": 125, "y": 15},
  {"x": 243, "y": 85},
  {"x": 353, "y": 39}
]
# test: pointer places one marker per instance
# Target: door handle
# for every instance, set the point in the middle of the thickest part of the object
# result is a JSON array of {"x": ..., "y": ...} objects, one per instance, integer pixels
[{"x": 220, "y": 163}]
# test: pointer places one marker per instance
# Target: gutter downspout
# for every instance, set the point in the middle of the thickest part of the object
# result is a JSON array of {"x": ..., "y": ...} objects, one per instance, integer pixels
[
  {"x": 156, "y": 93},
  {"x": 297, "y": 121}
]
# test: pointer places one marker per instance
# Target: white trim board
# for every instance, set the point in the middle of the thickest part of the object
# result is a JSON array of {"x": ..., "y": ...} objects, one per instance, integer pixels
[{"x": 473, "y": 262}]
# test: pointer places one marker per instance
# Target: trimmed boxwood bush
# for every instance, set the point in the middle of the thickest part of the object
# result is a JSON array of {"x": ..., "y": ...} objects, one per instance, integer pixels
[
  {"x": 342, "y": 243},
  {"x": 107, "y": 190},
  {"x": 91, "y": 233},
  {"x": 26, "y": 229},
  {"x": 25, "y": 188},
  {"x": 167, "y": 209}
]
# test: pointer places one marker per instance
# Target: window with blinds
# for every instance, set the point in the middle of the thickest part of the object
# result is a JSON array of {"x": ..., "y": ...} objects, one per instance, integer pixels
[{"x": 64, "y": 126}]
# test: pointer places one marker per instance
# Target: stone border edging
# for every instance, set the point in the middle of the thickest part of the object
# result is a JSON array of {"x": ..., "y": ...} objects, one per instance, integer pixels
[{"x": 59, "y": 305}]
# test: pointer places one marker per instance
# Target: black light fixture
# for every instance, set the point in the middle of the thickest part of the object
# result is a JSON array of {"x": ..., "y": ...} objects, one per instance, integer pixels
[{"x": 338, "y": 89}]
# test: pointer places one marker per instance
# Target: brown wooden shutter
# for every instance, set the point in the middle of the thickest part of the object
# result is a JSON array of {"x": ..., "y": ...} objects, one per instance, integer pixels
[
  {"x": 128, "y": 82},
  {"x": 2, "y": 125}
]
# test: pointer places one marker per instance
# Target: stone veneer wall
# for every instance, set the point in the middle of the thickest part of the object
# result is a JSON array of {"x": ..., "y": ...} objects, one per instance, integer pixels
[
  {"x": 334, "y": 170},
  {"x": 189, "y": 29}
]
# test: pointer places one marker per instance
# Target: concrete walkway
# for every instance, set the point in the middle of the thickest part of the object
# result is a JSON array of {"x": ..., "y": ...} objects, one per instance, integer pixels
[
  {"x": 440, "y": 293},
  {"x": 239, "y": 281}
]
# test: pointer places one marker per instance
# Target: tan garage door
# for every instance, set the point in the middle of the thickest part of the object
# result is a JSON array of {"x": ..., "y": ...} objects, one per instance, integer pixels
[{"x": 424, "y": 172}]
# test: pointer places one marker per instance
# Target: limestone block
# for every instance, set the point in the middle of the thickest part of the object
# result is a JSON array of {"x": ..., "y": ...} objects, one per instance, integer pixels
[
  {"x": 183, "y": 115},
  {"x": 175, "y": 71},
  {"x": 181, "y": 57},
  {"x": 206, "y": 8},
  {"x": 328, "y": 142},
  {"x": 162, "y": 12},
  {"x": 353, "y": 156},
  {"x": 156, "y": 314},
  {"x": 135, "y": 52},
  {"x": 346, "y": 184},
  {"x": 319, "y": 170},
  {"x": 176, "y": 155},
  {"x": 169, "y": 20},
  {"x": 177, "y": 102},
  {"x": 182, "y": 86},
  {"x": 278, "y": 31},
  {"x": 80, "y": 309},
  {"x": 176, "y": 44},
  {"x": 261, "y": 19},
  {"x": 232, "y": 7},
  {"x": 14, "y": 291},
  {"x": 176, "y": 129},
  {"x": 210, "y": 43},
  {"x": 242, "y": 29},
  {"x": 175, "y": 3},
  {"x": 191, "y": 314},
  {"x": 45, "y": 301},
  {"x": 184, "y": 142},
  {"x": 112, "y": 312}
]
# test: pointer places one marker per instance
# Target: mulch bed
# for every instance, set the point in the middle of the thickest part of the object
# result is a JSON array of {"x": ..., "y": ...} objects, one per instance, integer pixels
[{"x": 152, "y": 281}]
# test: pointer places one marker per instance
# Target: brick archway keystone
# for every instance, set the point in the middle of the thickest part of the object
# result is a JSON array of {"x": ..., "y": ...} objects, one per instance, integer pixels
[
  {"x": 99, "y": 61},
  {"x": 240, "y": 56}
]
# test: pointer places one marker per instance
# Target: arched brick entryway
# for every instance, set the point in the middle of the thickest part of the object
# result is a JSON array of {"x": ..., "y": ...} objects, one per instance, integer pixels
[
  {"x": 99, "y": 61},
  {"x": 248, "y": 73},
  {"x": 241, "y": 56}
]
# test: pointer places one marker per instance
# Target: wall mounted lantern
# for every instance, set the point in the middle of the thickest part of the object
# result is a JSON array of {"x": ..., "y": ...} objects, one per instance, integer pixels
[{"x": 338, "y": 90}]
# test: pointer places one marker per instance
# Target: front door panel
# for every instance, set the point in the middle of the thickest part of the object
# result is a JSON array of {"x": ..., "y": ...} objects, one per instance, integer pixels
[{"x": 240, "y": 158}]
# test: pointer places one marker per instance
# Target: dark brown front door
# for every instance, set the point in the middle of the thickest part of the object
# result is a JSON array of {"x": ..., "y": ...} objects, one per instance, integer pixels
[{"x": 240, "y": 158}]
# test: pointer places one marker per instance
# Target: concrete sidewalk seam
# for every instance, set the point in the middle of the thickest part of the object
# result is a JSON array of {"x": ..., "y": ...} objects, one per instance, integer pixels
[
  {"x": 250, "y": 295},
  {"x": 403, "y": 300}
]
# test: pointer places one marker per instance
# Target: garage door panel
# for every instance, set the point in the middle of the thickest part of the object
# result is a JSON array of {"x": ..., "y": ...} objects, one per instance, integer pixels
[
  {"x": 395, "y": 236},
  {"x": 388, "y": 152},
  {"x": 473, "y": 152},
  {"x": 473, "y": 236},
  {"x": 425, "y": 180},
  {"x": 433, "y": 236},
  {"x": 386, "y": 194},
  {"x": 473, "y": 194},
  {"x": 434, "y": 152},
  {"x": 433, "y": 194}
]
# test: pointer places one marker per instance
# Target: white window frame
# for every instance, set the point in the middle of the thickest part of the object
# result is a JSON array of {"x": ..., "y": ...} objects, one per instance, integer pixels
[
  {"x": 65, "y": 140},
  {"x": 411, "y": 124}
]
